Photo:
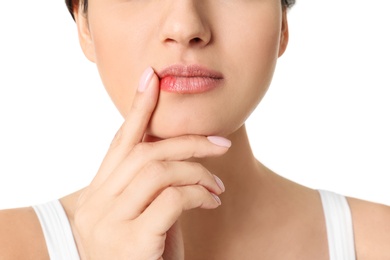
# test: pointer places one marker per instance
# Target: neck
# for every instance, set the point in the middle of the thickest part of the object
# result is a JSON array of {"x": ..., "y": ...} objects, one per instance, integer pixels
[
  {"x": 238, "y": 168},
  {"x": 246, "y": 181},
  {"x": 254, "y": 194}
]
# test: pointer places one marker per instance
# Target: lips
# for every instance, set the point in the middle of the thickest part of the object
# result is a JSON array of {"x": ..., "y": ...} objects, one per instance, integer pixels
[{"x": 192, "y": 79}]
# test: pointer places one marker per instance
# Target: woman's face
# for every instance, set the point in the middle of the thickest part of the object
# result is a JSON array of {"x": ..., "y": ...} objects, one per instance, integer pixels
[{"x": 239, "y": 41}]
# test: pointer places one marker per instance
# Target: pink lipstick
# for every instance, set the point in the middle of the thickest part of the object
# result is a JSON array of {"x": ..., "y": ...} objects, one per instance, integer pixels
[{"x": 191, "y": 79}]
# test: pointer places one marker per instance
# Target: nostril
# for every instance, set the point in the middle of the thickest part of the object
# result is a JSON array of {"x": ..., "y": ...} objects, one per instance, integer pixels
[
  {"x": 169, "y": 40},
  {"x": 196, "y": 40},
  {"x": 191, "y": 41}
]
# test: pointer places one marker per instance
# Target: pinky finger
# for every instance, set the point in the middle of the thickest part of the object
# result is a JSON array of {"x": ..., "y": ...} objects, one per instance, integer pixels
[{"x": 164, "y": 211}]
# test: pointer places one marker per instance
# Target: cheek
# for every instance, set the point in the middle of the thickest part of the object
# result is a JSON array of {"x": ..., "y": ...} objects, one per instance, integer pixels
[
  {"x": 119, "y": 59},
  {"x": 253, "y": 58}
]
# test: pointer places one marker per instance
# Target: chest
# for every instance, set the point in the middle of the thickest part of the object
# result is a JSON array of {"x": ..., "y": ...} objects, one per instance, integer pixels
[{"x": 279, "y": 244}]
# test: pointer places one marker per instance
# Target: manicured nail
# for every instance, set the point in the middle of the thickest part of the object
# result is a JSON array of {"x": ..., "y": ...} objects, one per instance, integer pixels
[
  {"x": 217, "y": 198},
  {"x": 219, "y": 182},
  {"x": 220, "y": 141},
  {"x": 145, "y": 79}
]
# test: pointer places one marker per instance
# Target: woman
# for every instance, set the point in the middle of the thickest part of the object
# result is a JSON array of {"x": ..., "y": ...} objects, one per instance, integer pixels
[{"x": 185, "y": 88}]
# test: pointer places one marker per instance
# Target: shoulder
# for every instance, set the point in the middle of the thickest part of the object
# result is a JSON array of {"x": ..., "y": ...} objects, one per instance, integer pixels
[
  {"x": 371, "y": 223},
  {"x": 21, "y": 235}
]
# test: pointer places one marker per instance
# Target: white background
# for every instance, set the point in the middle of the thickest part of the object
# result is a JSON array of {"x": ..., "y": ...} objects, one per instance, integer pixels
[{"x": 324, "y": 122}]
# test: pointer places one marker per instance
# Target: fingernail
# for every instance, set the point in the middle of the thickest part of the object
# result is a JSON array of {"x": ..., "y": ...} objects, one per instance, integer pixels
[
  {"x": 145, "y": 79},
  {"x": 219, "y": 182},
  {"x": 217, "y": 198},
  {"x": 220, "y": 141}
]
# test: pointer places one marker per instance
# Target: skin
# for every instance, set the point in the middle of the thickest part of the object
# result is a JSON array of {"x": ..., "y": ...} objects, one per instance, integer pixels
[
  {"x": 172, "y": 42},
  {"x": 160, "y": 164}
]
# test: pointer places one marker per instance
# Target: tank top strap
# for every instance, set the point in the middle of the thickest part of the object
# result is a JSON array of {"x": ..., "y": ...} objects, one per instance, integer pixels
[
  {"x": 61, "y": 245},
  {"x": 57, "y": 231},
  {"x": 339, "y": 226}
]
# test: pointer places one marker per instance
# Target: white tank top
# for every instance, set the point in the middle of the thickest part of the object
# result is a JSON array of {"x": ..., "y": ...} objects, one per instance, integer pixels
[
  {"x": 61, "y": 245},
  {"x": 339, "y": 226},
  {"x": 57, "y": 232}
]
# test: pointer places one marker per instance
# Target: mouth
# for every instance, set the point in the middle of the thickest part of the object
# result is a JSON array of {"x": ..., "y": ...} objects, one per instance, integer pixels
[{"x": 191, "y": 79}]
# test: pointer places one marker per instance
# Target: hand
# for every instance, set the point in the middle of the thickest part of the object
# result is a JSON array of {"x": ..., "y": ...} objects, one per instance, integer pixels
[{"x": 142, "y": 188}]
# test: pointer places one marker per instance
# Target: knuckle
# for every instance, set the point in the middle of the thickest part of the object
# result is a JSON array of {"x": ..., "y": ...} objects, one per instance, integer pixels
[
  {"x": 202, "y": 190},
  {"x": 196, "y": 144},
  {"x": 136, "y": 106},
  {"x": 199, "y": 168},
  {"x": 155, "y": 167},
  {"x": 153, "y": 171},
  {"x": 203, "y": 195},
  {"x": 200, "y": 194},
  {"x": 201, "y": 171},
  {"x": 141, "y": 149},
  {"x": 172, "y": 196},
  {"x": 140, "y": 106},
  {"x": 191, "y": 139}
]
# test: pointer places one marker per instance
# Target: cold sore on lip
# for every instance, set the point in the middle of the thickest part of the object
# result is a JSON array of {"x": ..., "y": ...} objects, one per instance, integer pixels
[{"x": 192, "y": 79}]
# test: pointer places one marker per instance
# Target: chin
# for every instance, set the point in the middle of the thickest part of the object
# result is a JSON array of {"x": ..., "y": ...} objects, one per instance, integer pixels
[
  {"x": 164, "y": 128},
  {"x": 166, "y": 131},
  {"x": 205, "y": 115}
]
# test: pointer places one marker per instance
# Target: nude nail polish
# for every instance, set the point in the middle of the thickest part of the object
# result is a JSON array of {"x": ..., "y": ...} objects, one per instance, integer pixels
[
  {"x": 216, "y": 198},
  {"x": 145, "y": 79},
  {"x": 219, "y": 182},
  {"x": 220, "y": 141}
]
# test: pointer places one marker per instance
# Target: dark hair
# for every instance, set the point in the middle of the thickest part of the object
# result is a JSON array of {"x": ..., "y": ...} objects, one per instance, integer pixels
[
  {"x": 288, "y": 3},
  {"x": 72, "y": 3}
]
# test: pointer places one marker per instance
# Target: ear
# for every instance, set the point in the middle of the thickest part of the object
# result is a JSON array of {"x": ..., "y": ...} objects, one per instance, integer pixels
[
  {"x": 85, "y": 37},
  {"x": 283, "y": 34}
]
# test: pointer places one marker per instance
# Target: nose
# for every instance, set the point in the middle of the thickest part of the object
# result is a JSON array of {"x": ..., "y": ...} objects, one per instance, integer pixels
[{"x": 184, "y": 24}]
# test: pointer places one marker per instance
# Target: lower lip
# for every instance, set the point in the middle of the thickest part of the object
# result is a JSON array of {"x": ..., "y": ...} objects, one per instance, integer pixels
[{"x": 188, "y": 85}]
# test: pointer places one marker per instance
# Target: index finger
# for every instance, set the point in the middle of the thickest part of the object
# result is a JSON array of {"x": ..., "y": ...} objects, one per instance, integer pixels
[{"x": 133, "y": 128}]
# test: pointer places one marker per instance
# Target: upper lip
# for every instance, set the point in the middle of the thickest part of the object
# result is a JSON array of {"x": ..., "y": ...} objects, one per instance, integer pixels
[{"x": 178, "y": 70}]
